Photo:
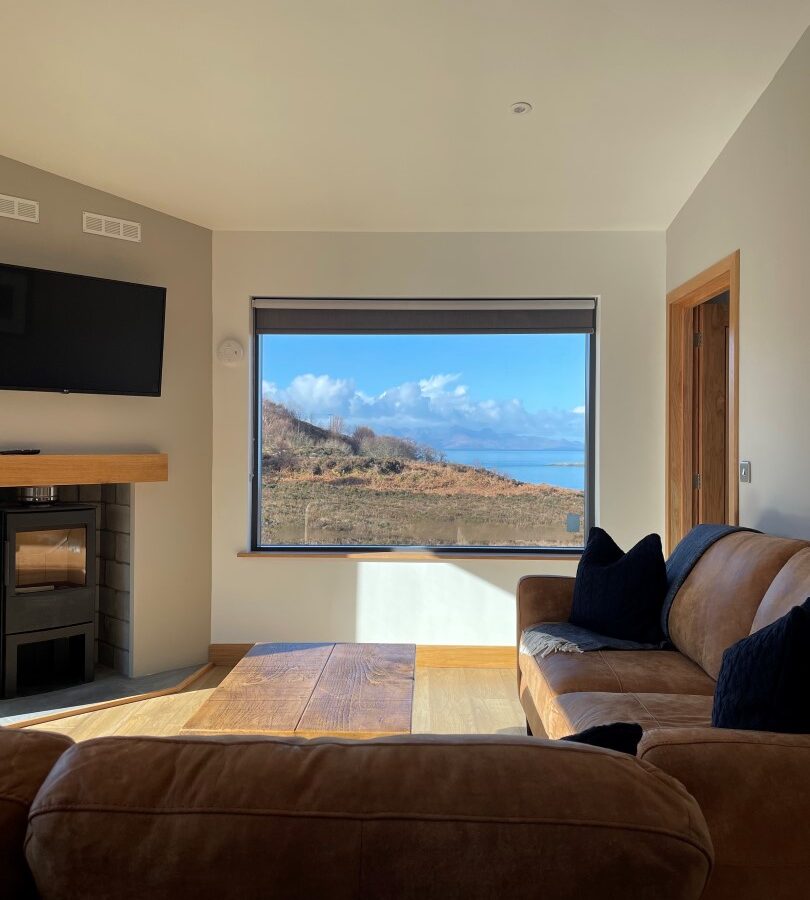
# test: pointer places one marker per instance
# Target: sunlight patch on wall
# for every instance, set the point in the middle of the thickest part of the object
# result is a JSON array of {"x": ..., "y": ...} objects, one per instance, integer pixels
[{"x": 468, "y": 602}]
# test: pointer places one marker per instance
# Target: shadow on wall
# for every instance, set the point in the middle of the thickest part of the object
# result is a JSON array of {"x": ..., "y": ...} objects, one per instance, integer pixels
[
  {"x": 291, "y": 599},
  {"x": 327, "y": 608},
  {"x": 773, "y": 521},
  {"x": 465, "y": 602}
]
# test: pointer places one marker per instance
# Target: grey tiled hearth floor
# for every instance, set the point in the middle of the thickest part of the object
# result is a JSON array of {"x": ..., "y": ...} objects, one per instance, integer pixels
[{"x": 109, "y": 685}]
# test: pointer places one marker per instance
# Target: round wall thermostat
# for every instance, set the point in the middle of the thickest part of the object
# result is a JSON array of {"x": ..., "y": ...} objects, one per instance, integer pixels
[{"x": 231, "y": 352}]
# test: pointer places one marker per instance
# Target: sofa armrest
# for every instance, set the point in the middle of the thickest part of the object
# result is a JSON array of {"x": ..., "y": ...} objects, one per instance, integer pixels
[
  {"x": 543, "y": 598},
  {"x": 754, "y": 790}
]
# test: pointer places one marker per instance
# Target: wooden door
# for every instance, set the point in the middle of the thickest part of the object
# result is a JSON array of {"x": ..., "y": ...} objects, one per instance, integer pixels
[
  {"x": 710, "y": 418},
  {"x": 703, "y": 399}
]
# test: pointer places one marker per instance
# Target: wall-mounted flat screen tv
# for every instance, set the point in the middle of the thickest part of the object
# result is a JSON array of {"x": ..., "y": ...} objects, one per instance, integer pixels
[{"x": 74, "y": 333}]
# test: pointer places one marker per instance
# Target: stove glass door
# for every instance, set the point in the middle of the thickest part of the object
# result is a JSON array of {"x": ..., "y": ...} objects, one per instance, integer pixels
[{"x": 50, "y": 559}]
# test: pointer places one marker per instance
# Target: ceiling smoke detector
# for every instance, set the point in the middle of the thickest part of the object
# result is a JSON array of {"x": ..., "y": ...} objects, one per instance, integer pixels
[{"x": 521, "y": 107}]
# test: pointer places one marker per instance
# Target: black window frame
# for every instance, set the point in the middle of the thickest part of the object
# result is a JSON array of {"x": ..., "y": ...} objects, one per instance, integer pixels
[{"x": 289, "y": 326}]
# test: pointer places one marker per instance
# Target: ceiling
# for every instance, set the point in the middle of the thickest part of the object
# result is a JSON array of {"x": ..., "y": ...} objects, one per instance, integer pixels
[{"x": 389, "y": 115}]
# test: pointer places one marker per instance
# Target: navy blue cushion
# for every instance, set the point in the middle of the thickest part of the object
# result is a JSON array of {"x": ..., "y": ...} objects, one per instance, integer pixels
[
  {"x": 621, "y": 736},
  {"x": 764, "y": 680},
  {"x": 620, "y": 594}
]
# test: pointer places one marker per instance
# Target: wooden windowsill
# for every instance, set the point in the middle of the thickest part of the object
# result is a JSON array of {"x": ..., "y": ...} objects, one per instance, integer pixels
[{"x": 409, "y": 555}]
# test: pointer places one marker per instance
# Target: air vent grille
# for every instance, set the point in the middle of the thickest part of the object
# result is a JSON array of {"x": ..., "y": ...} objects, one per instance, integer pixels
[
  {"x": 107, "y": 226},
  {"x": 17, "y": 208}
]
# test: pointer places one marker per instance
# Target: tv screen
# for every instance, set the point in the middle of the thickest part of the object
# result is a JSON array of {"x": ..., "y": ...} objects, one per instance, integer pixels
[{"x": 73, "y": 333}]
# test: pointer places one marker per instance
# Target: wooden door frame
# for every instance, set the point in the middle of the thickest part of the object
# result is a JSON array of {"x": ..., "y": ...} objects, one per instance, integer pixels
[{"x": 718, "y": 278}]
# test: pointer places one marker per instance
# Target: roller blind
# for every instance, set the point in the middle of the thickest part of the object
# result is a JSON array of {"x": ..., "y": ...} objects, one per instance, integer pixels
[{"x": 368, "y": 316}]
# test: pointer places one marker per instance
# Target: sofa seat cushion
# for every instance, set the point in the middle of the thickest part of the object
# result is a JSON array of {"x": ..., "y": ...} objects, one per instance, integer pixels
[
  {"x": 614, "y": 671},
  {"x": 571, "y": 713}
]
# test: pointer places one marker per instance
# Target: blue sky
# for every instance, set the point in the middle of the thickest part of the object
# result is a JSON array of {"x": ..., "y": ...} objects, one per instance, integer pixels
[{"x": 510, "y": 383}]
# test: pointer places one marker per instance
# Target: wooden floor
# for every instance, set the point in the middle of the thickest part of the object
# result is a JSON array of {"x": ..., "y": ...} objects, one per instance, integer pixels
[{"x": 446, "y": 701}]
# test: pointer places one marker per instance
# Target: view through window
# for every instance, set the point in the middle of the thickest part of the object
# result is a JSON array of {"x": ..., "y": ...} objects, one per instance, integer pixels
[{"x": 430, "y": 440}]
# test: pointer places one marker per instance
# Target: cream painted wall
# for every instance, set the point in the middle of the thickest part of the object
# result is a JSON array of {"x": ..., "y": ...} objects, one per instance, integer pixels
[
  {"x": 756, "y": 197},
  {"x": 464, "y": 602},
  {"x": 171, "y": 533}
]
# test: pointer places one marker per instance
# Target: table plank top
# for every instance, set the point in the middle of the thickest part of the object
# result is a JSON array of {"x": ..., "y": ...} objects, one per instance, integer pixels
[{"x": 310, "y": 690}]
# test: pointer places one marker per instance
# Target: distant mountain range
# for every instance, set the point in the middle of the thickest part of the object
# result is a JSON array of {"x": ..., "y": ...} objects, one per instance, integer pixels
[{"x": 457, "y": 438}]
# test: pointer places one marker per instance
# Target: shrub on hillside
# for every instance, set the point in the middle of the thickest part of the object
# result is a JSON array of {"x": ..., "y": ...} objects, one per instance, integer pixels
[{"x": 285, "y": 435}]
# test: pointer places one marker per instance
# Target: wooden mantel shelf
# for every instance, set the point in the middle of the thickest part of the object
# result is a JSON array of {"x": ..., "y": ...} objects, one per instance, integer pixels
[{"x": 82, "y": 468}]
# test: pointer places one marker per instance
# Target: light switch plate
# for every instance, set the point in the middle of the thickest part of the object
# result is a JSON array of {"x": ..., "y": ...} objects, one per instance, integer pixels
[{"x": 745, "y": 471}]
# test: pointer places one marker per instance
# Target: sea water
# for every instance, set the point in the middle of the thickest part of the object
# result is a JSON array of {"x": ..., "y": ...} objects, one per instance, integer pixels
[{"x": 563, "y": 468}]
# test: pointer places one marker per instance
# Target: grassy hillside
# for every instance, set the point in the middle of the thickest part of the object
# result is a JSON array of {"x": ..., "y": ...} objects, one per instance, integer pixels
[{"x": 320, "y": 485}]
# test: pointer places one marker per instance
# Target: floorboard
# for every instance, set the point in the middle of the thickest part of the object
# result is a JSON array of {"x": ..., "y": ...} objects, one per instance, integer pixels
[
  {"x": 107, "y": 686},
  {"x": 446, "y": 701}
]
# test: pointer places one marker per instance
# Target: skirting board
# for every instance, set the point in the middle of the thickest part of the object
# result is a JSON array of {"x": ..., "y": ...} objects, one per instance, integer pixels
[
  {"x": 442, "y": 656},
  {"x": 433, "y": 656},
  {"x": 227, "y": 654}
]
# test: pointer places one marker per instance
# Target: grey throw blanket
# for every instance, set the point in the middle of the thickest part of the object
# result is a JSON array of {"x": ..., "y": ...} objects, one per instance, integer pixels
[{"x": 564, "y": 637}]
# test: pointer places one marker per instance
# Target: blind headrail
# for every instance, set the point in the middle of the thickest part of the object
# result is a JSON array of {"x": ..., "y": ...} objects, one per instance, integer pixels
[{"x": 412, "y": 316}]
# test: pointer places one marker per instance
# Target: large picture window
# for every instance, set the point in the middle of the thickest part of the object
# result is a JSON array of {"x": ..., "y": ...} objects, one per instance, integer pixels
[{"x": 451, "y": 426}]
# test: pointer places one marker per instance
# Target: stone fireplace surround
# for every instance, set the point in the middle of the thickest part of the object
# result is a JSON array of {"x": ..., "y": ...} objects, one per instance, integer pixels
[{"x": 113, "y": 575}]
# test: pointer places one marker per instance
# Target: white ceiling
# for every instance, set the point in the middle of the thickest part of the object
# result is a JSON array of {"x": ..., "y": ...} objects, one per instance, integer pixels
[{"x": 388, "y": 115}]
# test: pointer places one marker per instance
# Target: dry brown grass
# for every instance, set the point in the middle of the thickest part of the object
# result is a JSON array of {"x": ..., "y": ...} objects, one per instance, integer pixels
[
  {"x": 446, "y": 479},
  {"x": 308, "y": 511},
  {"x": 319, "y": 487}
]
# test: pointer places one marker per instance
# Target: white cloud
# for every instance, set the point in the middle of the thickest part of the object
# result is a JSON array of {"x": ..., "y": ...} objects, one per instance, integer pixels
[
  {"x": 438, "y": 401},
  {"x": 313, "y": 395},
  {"x": 435, "y": 385}
]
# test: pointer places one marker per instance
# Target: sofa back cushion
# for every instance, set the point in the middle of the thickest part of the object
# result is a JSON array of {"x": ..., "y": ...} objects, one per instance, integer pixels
[
  {"x": 26, "y": 758},
  {"x": 717, "y": 603},
  {"x": 419, "y": 816},
  {"x": 790, "y": 588}
]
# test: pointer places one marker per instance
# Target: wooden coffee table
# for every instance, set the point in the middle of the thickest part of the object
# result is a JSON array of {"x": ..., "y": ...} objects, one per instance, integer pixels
[{"x": 343, "y": 690}]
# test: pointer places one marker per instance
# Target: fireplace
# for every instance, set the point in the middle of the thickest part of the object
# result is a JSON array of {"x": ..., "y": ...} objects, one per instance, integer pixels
[{"x": 47, "y": 595}]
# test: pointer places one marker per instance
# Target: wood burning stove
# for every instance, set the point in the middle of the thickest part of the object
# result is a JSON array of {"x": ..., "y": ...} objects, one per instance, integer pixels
[{"x": 47, "y": 594}]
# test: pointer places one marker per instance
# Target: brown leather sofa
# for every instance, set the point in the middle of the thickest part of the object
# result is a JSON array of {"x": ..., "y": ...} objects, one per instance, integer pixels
[
  {"x": 753, "y": 788},
  {"x": 434, "y": 818}
]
